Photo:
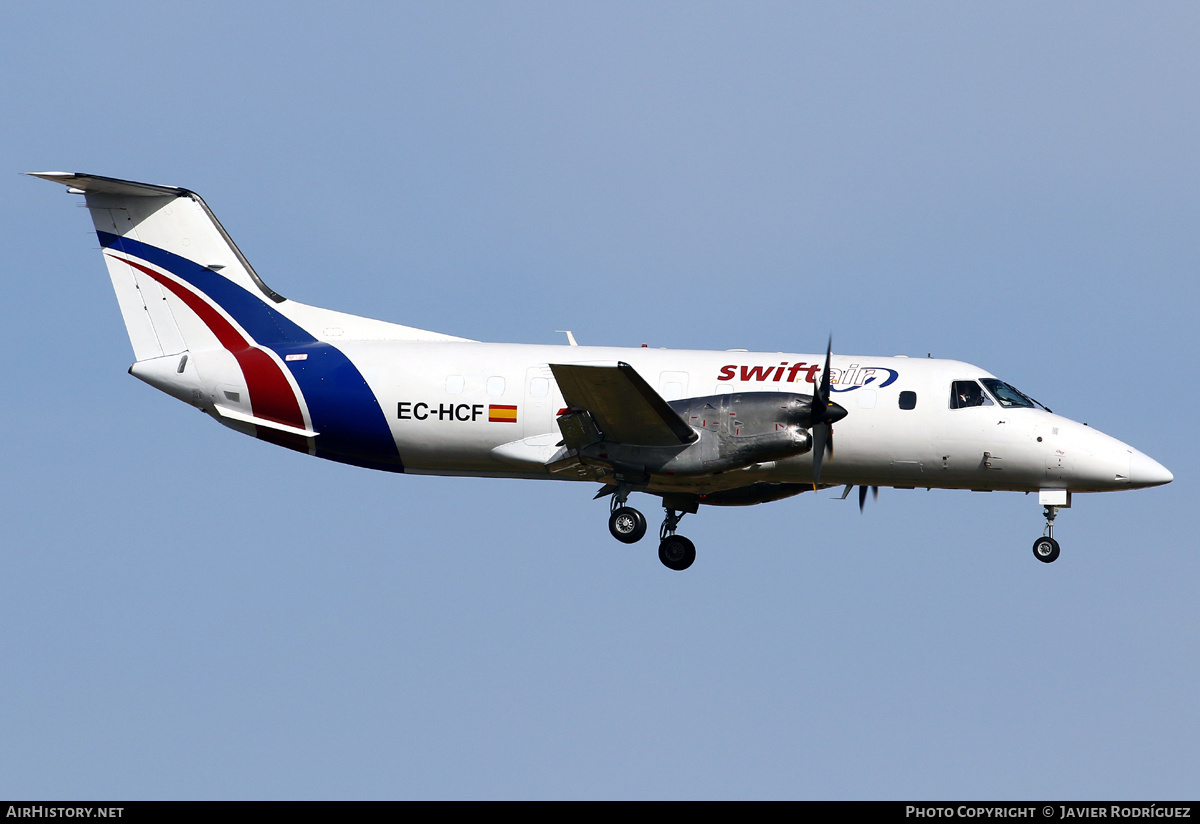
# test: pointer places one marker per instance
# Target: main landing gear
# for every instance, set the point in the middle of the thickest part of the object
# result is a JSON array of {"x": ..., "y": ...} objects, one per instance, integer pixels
[
  {"x": 1045, "y": 548},
  {"x": 628, "y": 526},
  {"x": 675, "y": 551}
]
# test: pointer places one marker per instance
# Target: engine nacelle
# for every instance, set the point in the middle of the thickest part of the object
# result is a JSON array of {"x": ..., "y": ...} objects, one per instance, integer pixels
[
  {"x": 735, "y": 431},
  {"x": 741, "y": 429}
]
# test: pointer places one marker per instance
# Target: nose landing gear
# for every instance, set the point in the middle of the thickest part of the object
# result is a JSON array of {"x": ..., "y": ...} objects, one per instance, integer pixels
[{"x": 1045, "y": 548}]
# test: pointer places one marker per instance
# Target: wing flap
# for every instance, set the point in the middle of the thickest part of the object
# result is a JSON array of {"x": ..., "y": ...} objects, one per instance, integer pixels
[{"x": 624, "y": 406}]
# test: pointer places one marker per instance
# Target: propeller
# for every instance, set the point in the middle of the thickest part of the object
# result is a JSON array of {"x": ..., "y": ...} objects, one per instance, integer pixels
[
  {"x": 862, "y": 496},
  {"x": 823, "y": 415}
]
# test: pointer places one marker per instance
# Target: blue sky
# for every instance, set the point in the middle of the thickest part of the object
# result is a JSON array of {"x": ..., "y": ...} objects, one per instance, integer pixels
[{"x": 192, "y": 614}]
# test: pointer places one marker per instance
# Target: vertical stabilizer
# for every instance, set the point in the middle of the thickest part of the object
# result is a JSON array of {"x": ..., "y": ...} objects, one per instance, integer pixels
[
  {"x": 207, "y": 330},
  {"x": 156, "y": 223}
]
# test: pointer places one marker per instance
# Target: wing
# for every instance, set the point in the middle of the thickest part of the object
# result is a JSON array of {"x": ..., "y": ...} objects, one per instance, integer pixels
[{"x": 625, "y": 408}]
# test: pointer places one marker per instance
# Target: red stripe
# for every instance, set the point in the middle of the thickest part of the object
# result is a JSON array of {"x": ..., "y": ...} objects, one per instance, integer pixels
[{"x": 271, "y": 396}]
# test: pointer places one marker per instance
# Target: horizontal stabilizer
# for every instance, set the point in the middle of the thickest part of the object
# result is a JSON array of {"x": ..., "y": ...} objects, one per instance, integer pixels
[
  {"x": 109, "y": 185},
  {"x": 624, "y": 406}
]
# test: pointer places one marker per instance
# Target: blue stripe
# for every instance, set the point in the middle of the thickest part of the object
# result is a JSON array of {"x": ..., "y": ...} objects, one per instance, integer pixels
[{"x": 342, "y": 406}]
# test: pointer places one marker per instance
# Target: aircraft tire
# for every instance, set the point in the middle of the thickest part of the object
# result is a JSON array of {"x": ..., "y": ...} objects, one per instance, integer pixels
[
  {"x": 1045, "y": 550},
  {"x": 627, "y": 525},
  {"x": 676, "y": 552}
]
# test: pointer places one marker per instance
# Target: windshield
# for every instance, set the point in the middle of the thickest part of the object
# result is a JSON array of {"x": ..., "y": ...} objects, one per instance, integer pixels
[{"x": 1009, "y": 397}]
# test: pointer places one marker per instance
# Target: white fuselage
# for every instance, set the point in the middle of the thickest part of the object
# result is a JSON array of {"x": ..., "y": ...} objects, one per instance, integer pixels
[
  {"x": 438, "y": 398},
  {"x": 725, "y": 428}
]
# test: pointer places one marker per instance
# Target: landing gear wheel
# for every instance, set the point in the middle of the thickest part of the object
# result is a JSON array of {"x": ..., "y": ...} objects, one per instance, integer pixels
[
  {"x": 676, "y": 552},
  {"x": 627, "y": 525},
  {"x": 1045, "y": 550}
]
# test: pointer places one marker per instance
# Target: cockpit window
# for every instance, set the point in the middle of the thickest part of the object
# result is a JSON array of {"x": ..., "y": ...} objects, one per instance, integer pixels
[
  {"x": 967, "y": 393},
  {"x": 1007, "y": 396}
]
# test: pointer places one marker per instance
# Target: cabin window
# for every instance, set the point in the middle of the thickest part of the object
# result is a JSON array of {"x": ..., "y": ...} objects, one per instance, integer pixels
[
  {"x": 964, "y": 394},
  {"x": 454, "y": 384},
  {"x": 908, "y": 400},
  {"x": 539, "y": 387},
  {"x": 495, "y": 385}
]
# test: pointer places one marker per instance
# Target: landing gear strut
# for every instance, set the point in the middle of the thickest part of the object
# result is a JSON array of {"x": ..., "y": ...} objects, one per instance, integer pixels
[
  {"x": 675, "y": 551},
  {"x": 1045, "y": 549}
]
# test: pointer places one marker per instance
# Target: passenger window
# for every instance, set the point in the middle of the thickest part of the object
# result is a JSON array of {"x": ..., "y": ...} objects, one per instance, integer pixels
[
  {"x": 454, "y": 384},
  {"x": 495, "y": 385},
  {"x": 964, "y": 394},
  {"x": 908, "y": 400},
  {"x": 539, "y": 387}
]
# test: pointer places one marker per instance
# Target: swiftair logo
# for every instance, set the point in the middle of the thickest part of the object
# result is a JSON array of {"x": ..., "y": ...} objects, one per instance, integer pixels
[{"x": 841, "y": 380}]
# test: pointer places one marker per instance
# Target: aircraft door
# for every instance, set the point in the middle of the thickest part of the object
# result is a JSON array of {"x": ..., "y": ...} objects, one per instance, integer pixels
[
  {"x": 673, "y": 386},
  {"x": 542, "y": 401}
]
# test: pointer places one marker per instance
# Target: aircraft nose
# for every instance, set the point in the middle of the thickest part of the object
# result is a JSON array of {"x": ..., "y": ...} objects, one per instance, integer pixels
[{"x": 1145, "y": 471}]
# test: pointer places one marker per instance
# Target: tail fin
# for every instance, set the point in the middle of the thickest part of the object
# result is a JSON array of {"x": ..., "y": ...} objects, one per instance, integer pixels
[
  {"x": 166, "y": 226},
  {"x": 207, "y": 330},
  {"x": 174, "y": 230}
]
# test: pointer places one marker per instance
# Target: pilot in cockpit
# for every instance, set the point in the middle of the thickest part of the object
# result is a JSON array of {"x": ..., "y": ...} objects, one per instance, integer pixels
[{"x": 968, "y": 393}]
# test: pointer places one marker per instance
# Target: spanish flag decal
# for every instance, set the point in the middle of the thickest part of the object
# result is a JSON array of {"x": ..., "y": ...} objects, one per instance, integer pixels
[{"x": 502, "y": 414}]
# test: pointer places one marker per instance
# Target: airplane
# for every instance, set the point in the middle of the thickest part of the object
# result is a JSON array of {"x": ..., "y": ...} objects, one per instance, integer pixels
[{"x": 721, "y": 428}]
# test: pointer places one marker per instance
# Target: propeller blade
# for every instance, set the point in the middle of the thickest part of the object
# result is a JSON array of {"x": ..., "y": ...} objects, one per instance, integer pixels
[
  {"x": 820, "y": 434},
  {"x": 862, "y": 496},
  {"x": 822, "y": 409},
  {"x": 825, "y": 372},
  {"x": 823, "y": 413}
]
